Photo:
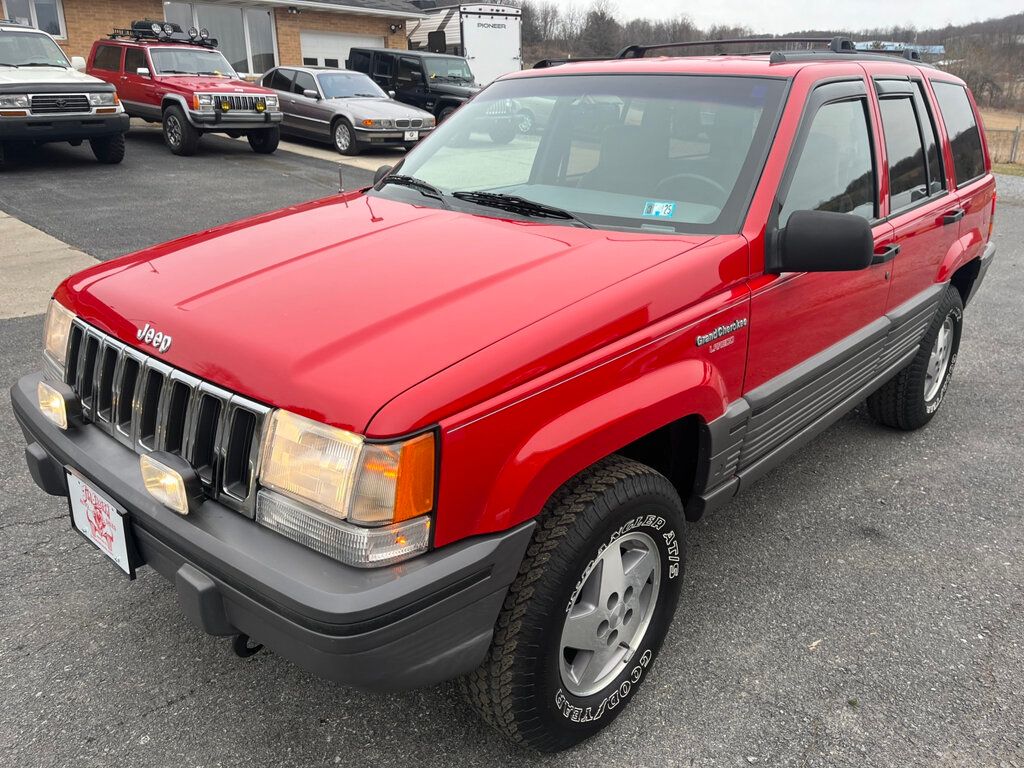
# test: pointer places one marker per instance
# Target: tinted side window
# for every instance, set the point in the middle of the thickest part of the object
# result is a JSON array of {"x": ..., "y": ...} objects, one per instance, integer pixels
[
  {"x": 304, "y": 82},
  {"x": 962, "y": 127},
  {"x": 359, "y": 61},
  {"x": 280, "y": 79},
  {"x": 835, "y": 171},
  {"x": 108, "y": 57},
  {"x": 936, "y": 178},
  {"x": 410, "y": 72},
  {"x": 907, "y": 172},
  {"x": 134, "y": 59},
  {"x": 382, "y": 65}
]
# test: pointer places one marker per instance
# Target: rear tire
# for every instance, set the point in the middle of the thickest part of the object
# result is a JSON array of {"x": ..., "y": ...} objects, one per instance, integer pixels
[
  {"x": 910, "y": 399},
  {"x": 265, "y": 141},
  {"x": 597, "y": 588},
  {"x": 109, "y": 150},
  {"x": 180, "y": 135},
  {"x": 444, "y": 114}
]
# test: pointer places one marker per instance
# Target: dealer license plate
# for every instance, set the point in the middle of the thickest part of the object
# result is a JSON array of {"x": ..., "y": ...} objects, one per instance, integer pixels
[
  {"x": 412, "y": 135},
  {"x": 101, "y": 522}
]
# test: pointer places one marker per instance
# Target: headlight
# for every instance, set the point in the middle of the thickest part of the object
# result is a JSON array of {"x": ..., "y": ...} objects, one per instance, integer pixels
[
  {"x": 384, "y": 124},
  {"x": 13, "y": 101},
  {"x": 203, "y": 101},
  {"x": 103, "y": 99},
  {"x": 429, "y": 122},
  {"x": 56, "y": 331},
  {"x": 336, "y": 476},
  {"x": 272, "y": 102}
]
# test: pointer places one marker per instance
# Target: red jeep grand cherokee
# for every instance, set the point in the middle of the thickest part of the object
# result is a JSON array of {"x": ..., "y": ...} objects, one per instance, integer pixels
[
  {"x": 453, "y": 425},
  {"x": 180, "y": 79}
]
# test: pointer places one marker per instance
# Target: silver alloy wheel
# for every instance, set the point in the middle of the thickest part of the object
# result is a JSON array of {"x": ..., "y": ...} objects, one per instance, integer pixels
[
  {"x": 173, "y": 129},
  {"x": 610, "y": 613},
  {"x": 938, "y": 360},
  {"x": 342, "y": 137}
]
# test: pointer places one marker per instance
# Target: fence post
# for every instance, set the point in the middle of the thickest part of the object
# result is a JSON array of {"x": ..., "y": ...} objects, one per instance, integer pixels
[{"x": 1015, "y": 144}]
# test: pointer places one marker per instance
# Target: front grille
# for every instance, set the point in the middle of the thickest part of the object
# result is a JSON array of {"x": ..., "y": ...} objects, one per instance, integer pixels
[
  {"x": 240, "y": 103},
  {"x": 59, "y": 103},
  {"x": 407, "y": 123},
  {"x": 149, "y": 406},
  {"x": 500, "y": 108}
]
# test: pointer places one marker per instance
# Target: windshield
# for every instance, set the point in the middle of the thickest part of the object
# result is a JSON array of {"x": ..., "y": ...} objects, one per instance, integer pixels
[
  {"x": 30, "y": 49},
  {"x": 345, "y": 85},
  {"x": 190, "y": 61},
  {"x": 677, "y": 153},
  {"x": 448, "y": 68}
]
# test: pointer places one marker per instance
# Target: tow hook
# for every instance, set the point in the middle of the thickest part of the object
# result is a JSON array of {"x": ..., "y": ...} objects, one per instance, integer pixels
[{"x": 240, "y": 645}]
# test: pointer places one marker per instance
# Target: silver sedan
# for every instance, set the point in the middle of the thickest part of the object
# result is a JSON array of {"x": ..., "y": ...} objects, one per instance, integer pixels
[{"x": 344, "y": 108}]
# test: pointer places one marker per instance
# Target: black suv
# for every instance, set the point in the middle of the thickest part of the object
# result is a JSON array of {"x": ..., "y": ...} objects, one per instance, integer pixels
[{"x": 436, "y": 82}]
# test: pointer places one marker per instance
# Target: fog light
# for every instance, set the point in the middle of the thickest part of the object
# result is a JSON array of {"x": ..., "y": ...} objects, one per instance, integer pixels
[
  {"x": 261, "y": 107},
  {"x": 347, "y": 543},
  {"x": 225, "y": 106},
  {"x": 164, "y": 484},
  {"x": 52, "y": 405}
]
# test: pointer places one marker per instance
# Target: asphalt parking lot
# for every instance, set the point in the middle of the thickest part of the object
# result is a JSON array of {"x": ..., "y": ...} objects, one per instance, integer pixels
[{"x": 863, "y": 605}]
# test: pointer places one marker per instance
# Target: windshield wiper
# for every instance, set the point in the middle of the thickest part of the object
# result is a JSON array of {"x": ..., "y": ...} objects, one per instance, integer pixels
[
  {"x": 427, "y": 190},
  {"x": 175, "y": 72},
  {"x": 38, "y": 64},
  {"x": 520, "y": 205}
]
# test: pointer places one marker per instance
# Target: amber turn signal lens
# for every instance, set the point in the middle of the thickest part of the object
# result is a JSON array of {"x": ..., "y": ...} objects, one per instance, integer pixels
[{"x": 415, "y": 493}]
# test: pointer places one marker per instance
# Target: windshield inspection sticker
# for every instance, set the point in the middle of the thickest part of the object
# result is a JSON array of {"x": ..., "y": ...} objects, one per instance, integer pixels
[{"x": 655, "y": 210}]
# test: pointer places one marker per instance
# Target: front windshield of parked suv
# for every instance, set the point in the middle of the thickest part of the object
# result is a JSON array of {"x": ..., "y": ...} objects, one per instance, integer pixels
[
  {"x": 451, "y": 69},
  {"x": 347, "y": 85},
  {"x": 672, "y": 153},
  {"x": 190, "y": 61},
  {"x": 30, "y": 49}
]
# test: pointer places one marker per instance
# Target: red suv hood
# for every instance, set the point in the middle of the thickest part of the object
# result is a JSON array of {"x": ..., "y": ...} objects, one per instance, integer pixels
[
  {"x": 206, "y": 84},
  {"x": 333, "y": 308}
]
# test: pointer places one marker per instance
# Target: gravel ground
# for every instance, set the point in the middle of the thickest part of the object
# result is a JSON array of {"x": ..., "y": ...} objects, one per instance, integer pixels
[{"x": 863, "y": 605}]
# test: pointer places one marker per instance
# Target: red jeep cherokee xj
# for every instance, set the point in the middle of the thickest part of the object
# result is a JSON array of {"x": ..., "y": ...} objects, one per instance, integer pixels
[
  {"x": 180, "y": 79},
  {"x": 453, "y": 425}
]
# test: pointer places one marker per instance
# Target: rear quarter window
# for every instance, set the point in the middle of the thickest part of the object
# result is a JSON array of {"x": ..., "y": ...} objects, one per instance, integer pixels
[
  {"x": 962, "y": 128},
  {"x": 359, "y": 61},
  {"x": 108, "y": 58}
]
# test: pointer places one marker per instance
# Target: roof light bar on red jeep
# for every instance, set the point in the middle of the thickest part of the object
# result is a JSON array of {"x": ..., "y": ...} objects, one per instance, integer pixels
[{"x": 164, "y": 32}]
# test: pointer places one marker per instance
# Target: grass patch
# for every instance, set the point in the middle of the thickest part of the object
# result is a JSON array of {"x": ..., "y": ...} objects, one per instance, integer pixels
[{"x": 1010, "y": 169}]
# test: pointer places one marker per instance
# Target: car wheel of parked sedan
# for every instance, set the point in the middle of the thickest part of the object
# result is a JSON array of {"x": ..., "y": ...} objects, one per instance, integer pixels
[
  {"x": 910, "y": 399},
  {"x": 265, "y": 140},
  {"x": 108, "y": 150},
  {"x": 585, "y": 618},
  {"x": 179, "y": 134},
  {"x": 345, "y": 137}
]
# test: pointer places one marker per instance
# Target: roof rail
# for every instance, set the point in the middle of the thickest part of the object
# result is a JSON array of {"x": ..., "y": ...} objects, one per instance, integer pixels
[
  {"x": 781, "y": 57},
  {"x": 836, "y": 44},
  {"x": 164, "y": 32}
]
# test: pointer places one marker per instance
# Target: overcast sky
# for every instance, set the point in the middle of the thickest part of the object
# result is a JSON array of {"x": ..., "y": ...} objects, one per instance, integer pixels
[{"x": 777, "y": 16}]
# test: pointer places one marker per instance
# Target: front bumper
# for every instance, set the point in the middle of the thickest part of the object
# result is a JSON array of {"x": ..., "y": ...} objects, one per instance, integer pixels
[
  {"x": 414, "y": 624},
  {"x": 378, "y": 138},
  {"x": 48, "y": 128},
  {"x": 234, "y": 121}
]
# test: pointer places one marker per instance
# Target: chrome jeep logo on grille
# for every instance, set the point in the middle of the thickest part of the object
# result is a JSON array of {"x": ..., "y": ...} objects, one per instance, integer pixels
[{"x": 156, "y": 339}]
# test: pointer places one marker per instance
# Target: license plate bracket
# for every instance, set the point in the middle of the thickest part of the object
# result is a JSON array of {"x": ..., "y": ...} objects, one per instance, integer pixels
[
  {"x": 412, "y": 135},
  {"x": 102, "y": 523}
]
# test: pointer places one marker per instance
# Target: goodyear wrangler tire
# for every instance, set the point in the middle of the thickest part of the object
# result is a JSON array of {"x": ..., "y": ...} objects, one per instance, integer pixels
[
  {"x": 584, "y": 619},
  {"x": 910, "y": 399}
]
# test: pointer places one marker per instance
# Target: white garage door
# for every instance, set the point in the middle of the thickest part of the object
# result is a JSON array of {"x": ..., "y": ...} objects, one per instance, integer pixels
[{"x": 330, "y": 49}]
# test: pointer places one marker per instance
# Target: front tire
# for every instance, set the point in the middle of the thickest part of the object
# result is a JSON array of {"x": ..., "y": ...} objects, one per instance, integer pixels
[
  {"x": 583, "y": 621},
  {"x": 344, "y": 137},
  {"x": 910, "y": 399},
  {"x": 109, "y": 149},
  {"x": 264, "y": 141},
  {"x": 180, "y": 135}
]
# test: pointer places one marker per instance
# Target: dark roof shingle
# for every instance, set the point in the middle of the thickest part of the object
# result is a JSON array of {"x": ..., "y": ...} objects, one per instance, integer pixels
[{"x": 394, "y": 6}]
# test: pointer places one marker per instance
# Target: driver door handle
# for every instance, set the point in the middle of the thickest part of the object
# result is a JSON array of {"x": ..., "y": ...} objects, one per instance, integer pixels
[{"x": 890, "y": 252}]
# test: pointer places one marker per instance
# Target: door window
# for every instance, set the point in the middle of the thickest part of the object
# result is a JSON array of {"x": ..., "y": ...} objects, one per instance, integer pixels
[
  {"x": 936, "y": 178},
  {"x": 907, "y": 169},
  {"x": 108, "y": 58},
  {"x": 409, "y": 74},
  {"x": 359, "y": 61},
  {"x": 134, "y": 59},
  {"x": 382, "y": 66},
  {"x": 835, "y": 170},
  {"x": 962, "y": 127},
  {"x": 279, "y": 80},
  {"x": 304, "y": 82}
]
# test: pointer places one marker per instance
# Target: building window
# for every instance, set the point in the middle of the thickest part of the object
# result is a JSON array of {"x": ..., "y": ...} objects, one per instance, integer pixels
[
  {"x": 47, "y": 15},
  {"x": 245, "y": 36}
]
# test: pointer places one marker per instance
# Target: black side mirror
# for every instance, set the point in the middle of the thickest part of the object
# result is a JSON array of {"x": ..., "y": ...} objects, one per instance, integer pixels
[
  {"x": 383, "y": 171},
  {"x": 822, "y": 241}
]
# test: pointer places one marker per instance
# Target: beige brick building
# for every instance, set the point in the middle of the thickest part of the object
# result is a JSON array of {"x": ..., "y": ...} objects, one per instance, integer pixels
[{"x": 253, "y": 34}]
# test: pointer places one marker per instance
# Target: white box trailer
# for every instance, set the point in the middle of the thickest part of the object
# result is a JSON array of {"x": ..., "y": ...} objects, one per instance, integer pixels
[{"x": 488, "y": 35}]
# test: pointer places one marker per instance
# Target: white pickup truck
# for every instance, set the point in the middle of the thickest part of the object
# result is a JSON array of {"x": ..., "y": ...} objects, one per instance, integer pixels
[{"x": 44, "y": 98}]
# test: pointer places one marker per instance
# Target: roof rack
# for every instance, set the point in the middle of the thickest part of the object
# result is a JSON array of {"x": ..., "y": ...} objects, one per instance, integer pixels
[
  {"x": 838, "y": 48},
  {"x": 164, "y": 32}
]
